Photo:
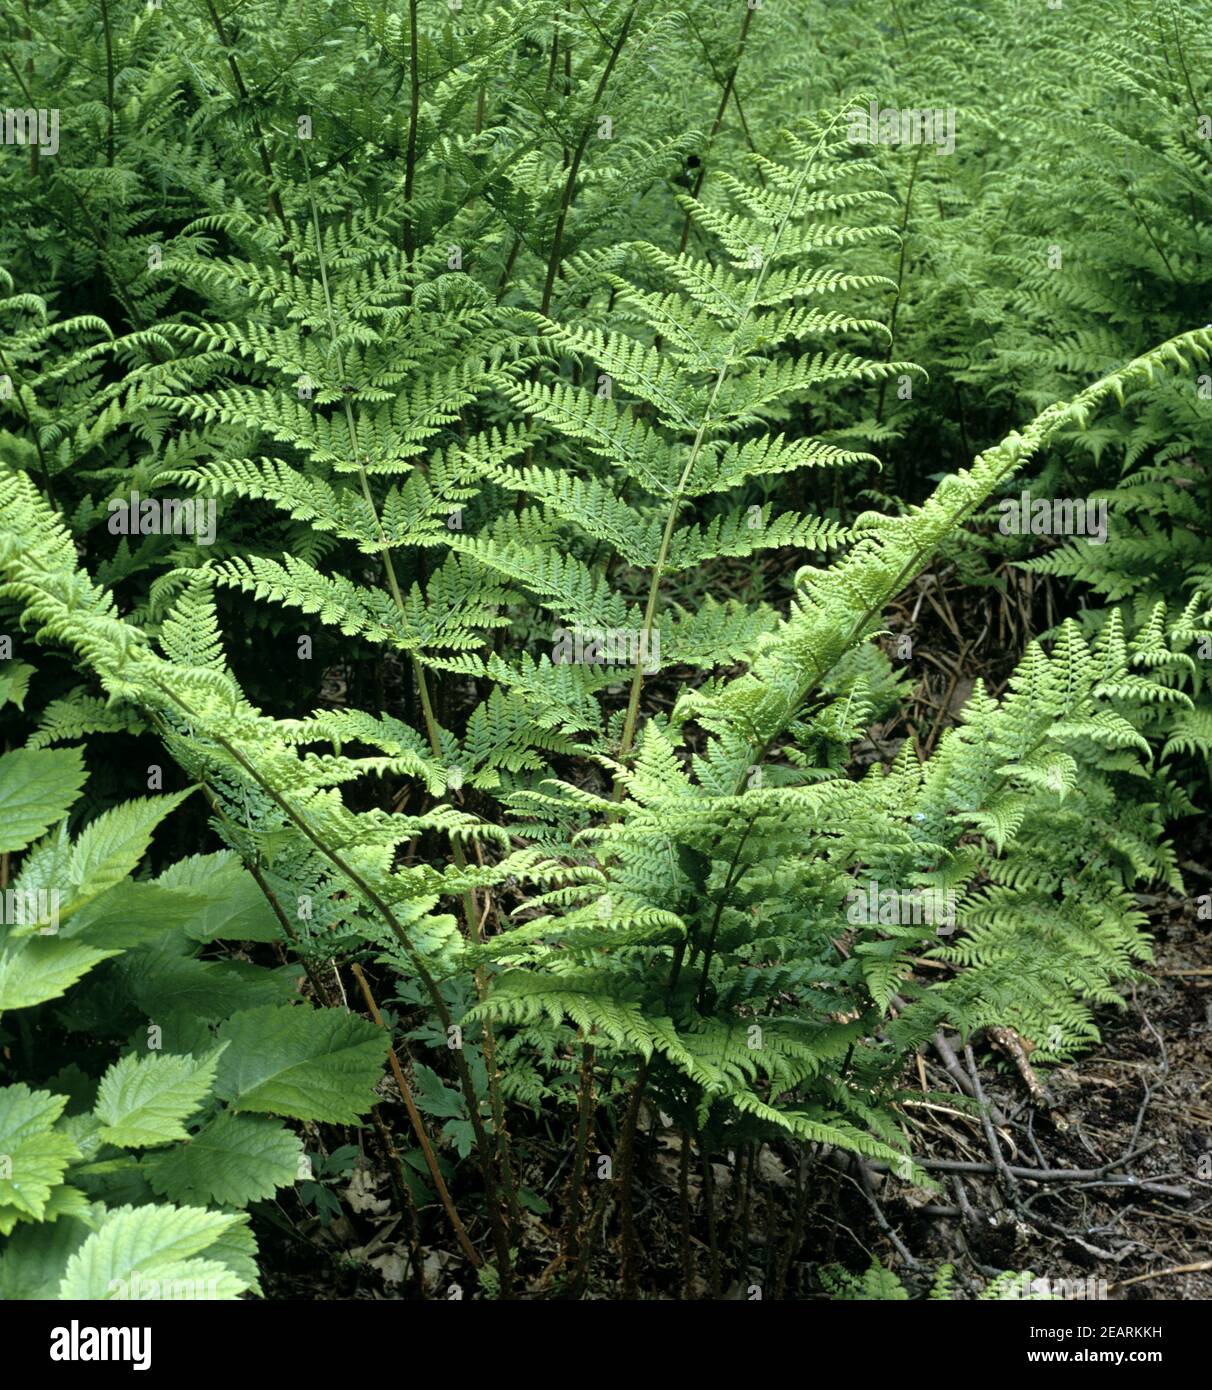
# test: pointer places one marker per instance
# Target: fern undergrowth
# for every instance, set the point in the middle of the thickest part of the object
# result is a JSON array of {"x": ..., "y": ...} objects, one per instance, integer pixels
[{"x": 457, "y": 463}]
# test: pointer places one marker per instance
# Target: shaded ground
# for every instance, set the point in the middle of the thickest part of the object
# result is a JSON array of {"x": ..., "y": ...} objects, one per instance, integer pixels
[{"x": 1148, "y": 1086}]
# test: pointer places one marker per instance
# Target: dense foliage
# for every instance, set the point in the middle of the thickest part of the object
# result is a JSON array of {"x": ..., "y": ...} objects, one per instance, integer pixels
[{"x": 457, "y": 463}]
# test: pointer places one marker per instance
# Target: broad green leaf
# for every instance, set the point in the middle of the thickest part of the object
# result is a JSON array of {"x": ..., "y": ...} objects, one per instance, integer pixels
[
  {"x": 64, "y": 1200},
  {"x": 237, "y": 1249},
  {"x": 228, "y": 905},
  {"x": 234, "y": 1160},
  {"x": 311, "y": 1064},
  {"x": 14, "y": 682},
  {"x": 142, "y": 1101},
  {"x": 43, "y": 967},
  {"x": 152, "y": 1244},
  {"x": 117, "y": 1181},
  {"x": 133, "y": 914},
  {"x": 33, "y": 1155},
  {"x": 112, "y": 845},
  {"x": 435, "y": 1098},
  {"x": 165, "y": 980},
  {"x": 37, "y": 789},
  {"x": 34, "y": 1258}
]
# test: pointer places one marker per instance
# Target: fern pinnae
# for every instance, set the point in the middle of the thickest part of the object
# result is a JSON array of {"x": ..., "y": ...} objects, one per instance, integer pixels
[
  {"x": 658, "y": 569},
  {"x": 470, "y": 911}
]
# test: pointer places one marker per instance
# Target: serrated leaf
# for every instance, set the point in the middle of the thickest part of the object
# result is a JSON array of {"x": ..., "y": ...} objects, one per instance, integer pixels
[
  {"x": 142, "y": 1101},
  {"x": 35, "y": 1258},
  {"x": 33, "y": 1155},
  {"x": 37, "y": 789},
  {"x": 234, "y": 1160},
  {"x": 164, "y": 981},
  {"x": 112, "y": 845},
  {"x": 132, "y": 914},
  {"x": 310, "y": 1064},
  {"x": 41, "y": 968},
  {"x": 227, "y": 904},
  {"x": 436, "y": 1098},
  {"x": 14, "y": 682},
  {"x": 237, "y": 1249},
  {"x": 64, "y": 1200},
  {"x": 152, "y": 1243}
]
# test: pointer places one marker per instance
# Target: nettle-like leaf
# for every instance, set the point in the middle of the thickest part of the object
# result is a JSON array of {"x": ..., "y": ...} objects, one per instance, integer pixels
[
  {"x": 143, "y": 1101},
  {"x": 37, "y": 969},
  {"x": 37, "y": 789},
  {"x": 235, "y": 909},
  {"x": 34, "y": 1258},
  {"x": 14, "y": 682},
  {"x": 153, "y": 1252},
  {"x": 233, "y": 1160},
  {"x": 110, "y": 847},
  {"x": 33, "y": 1154},
  {"x": 310, "y": 1064}
]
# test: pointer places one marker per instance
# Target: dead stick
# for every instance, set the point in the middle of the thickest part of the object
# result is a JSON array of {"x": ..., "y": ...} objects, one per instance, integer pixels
[
  {"x": 995, "y": 1145},
  {"x": 1160, "y": 1273}
]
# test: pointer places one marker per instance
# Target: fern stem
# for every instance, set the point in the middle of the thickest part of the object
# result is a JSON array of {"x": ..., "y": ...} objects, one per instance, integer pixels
[
  {"x": 557, "y": 243},
  {"x": 658, "y": 570},
  {"x": 1182, "y": 62},
  {"x": 718, "y": 123},
  {"x": 684, "y": 1216},
  {"x": 414, "y": 108},
  {"x": 416, "y": 1266},
  {"x": 1148, "y": 230},
  {"x": 321, "y": 990},
  {"x": 323, "y": 994},
  {"x": 27, "y": 34},
  {"x": 109, "y": 84},
  {"x": 267, "y": 168},
  {"x": 492, "y": 1066},
  {"x": 900, "y": 277},
  {"x": 470, "y": 914},
  {"x": 585, "y": 1110},
  {"x": 713, "y": 1246},
  {"x": 418, "y": 1126},
  {"x": 626, "y": 1161},
  {"x": 730, "y": 881},
  {"x": 338, "y": 860},
  {"x": 795, "y": 1234}
]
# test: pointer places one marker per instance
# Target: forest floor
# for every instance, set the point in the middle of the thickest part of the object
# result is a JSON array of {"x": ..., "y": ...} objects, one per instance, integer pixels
[{"x": 1146, "y": 1088}]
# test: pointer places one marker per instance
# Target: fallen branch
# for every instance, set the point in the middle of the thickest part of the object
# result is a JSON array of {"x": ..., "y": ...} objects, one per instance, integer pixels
[
  {"x": 1098, "y": 1176},
  {"x": 1160, "y": 1273},
  {"x": 1016, "y": 1049}
]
